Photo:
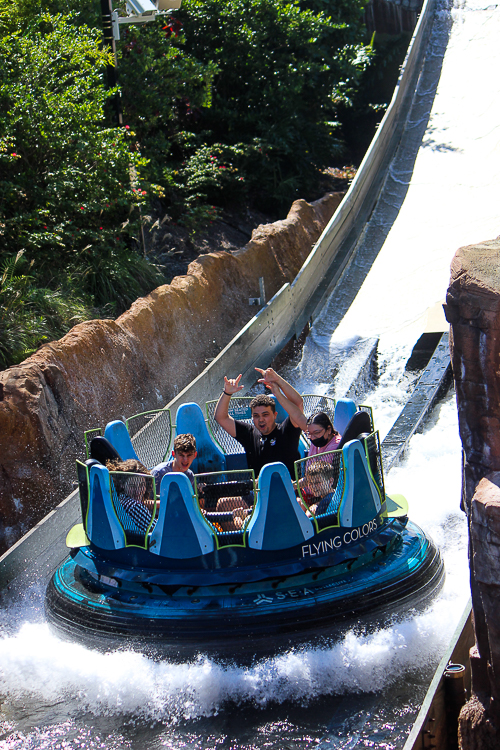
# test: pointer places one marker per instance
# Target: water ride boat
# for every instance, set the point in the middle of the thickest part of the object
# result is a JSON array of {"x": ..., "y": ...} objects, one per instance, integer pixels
[{"x": 202, "y": 579}]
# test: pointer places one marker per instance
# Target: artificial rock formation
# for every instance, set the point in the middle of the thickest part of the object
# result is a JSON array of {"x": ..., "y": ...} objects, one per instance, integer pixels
[
  {"x": 110, "y": 369},
  {"x": 473, "y": 310}
]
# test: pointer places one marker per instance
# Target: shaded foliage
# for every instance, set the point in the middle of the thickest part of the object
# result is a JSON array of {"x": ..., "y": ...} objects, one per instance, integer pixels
[
  {"x": 30, "y": 315},
  {"x": 259, "y": 105},
  {"x": 362, "y": 114}
]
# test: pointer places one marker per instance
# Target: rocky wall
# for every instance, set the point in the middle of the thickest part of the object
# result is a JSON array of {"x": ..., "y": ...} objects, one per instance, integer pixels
[
  {"x": 473, "y": 311},
  {"x": 110, "y": 369}
]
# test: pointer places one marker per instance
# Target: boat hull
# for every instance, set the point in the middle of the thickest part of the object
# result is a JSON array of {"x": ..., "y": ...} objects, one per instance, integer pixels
[{"x": 248, "y": 616}]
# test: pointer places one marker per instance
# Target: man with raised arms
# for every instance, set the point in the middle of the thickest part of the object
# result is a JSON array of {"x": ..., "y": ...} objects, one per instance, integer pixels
[{"x": 265, "y": 441}]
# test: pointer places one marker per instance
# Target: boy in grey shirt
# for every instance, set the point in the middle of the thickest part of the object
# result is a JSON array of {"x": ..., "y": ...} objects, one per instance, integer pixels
[{"x": 184, "y": 453}]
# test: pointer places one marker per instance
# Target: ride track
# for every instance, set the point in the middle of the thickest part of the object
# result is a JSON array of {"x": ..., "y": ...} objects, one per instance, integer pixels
[
  {"x": 39, "y": 552},
  {"x": 42, "y": 549}
]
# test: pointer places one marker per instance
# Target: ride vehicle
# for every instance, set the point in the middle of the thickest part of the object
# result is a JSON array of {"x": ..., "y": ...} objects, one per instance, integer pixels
[{"x": 194, "y": 581}]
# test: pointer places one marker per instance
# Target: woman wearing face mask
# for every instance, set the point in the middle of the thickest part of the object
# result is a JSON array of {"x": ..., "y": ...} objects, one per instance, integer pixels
[
  {"x": 323, "y": 437},
  {"x": 322, "y": 434}
]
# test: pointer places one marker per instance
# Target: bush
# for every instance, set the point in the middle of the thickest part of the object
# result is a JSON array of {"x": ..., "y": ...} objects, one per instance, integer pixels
[{"x": 30, "y": 315}]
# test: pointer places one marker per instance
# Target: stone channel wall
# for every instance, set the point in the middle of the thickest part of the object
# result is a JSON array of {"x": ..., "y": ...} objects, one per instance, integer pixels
[
  {"x": 110, "y": 369},
  {"x": 473, "y": 310}
]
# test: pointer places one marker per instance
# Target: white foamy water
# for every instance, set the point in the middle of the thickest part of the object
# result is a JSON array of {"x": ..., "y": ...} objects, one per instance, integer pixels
[{"x": 439, "y": 194}]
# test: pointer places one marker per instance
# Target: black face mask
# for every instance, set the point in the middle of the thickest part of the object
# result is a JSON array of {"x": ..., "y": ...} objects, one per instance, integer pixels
[{"x": 320, "y": 442}]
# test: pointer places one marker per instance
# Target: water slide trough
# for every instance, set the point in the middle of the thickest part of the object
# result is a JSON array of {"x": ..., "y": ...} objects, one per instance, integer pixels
[{"x": 42, "y": 549}]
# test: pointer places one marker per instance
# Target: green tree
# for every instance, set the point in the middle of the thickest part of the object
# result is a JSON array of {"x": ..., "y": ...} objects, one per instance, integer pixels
[
  {"x": 66, "y": 196},
  {"x": 160, "y": 84},
  {"x": 163, "y": 87},
  {"x": 283, "y": 70},
  {"x": 225, "y": 103},
  {"x": 241, "y": 99},
  {"x": 19, "y": 14}
]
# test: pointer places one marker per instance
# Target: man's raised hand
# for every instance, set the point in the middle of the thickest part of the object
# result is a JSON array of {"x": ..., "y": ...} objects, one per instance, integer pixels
[
  {"x": 268, "y": 376},
  {"x": 232, "y": 385}
]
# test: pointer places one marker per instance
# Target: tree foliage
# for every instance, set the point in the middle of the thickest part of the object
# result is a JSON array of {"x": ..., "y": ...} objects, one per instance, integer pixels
[
  {"x": 259, "y": 93},
  {"x": 66, "y": 198},
  {"x": 66, "y": 195}
]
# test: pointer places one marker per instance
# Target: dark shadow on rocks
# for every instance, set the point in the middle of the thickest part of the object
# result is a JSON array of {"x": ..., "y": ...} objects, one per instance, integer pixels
[{"x": 173, "y": 247}]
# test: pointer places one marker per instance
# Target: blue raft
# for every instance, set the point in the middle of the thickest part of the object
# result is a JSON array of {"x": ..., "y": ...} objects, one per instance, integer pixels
[{"x": 187, "y": 585}]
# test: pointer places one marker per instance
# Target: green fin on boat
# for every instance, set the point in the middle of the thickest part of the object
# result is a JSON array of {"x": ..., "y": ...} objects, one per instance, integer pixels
[
  {"x": 77, "y": 537},
  {"x": 396, "y": 506}
]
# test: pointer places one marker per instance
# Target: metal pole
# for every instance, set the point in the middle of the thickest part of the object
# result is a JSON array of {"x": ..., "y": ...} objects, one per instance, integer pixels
[
  {"x": 455, "y": 697},
  {"x": 111, "y": 70}
]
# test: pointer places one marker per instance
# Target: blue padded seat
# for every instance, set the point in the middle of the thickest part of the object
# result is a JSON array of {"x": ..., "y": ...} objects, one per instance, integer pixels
[
  {"x": 345, "y": 409},
  {"x": 303, "y": 447},
  {"x": 117, "y": 434},
  {"x": 83, "y": 471},
  {"x": 337, "y": 494},
  {"x": 361, "y": 500},
  {"x": 281, "y": 414},
  {"x": 210, "y": 457},
  {"x": 102, "y": 525},
  {"x": 277, "y": 521},
  {"x": 181, "y": 530}
]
